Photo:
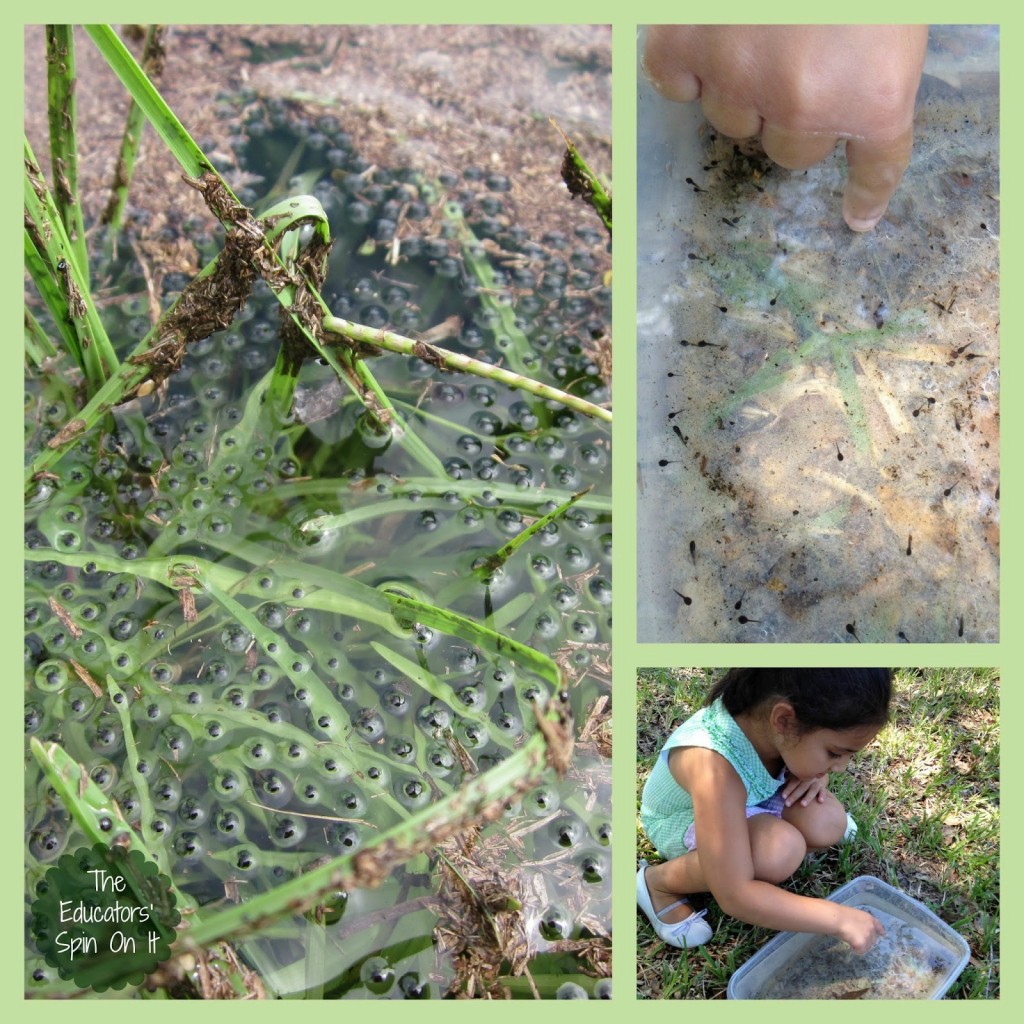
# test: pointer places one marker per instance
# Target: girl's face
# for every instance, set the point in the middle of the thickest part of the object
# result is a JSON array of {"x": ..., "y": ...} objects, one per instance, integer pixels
[{"x": 816, "y": 753}]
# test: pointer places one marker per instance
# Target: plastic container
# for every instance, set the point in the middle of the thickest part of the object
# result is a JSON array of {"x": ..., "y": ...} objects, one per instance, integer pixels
[{"x": 919, "y": 956}]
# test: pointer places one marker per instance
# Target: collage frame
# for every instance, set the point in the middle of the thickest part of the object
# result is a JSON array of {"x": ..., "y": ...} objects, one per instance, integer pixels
[{"x": 629, "y": 655}]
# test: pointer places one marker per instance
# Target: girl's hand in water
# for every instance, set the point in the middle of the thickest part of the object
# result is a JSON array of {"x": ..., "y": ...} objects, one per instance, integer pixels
[
  {"x": 802, "y": 88},
  {"x": 805, "y": 791},
  {"x": 858, "y": 929}
]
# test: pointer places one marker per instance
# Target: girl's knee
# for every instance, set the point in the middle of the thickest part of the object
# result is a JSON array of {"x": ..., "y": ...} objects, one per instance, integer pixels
[
  {"x": 777, "y": 847},
  {"x": 821, "y": 825}
]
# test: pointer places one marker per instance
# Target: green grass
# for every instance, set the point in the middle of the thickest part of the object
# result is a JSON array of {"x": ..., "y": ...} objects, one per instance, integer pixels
[{"x": 925, "y": 795}]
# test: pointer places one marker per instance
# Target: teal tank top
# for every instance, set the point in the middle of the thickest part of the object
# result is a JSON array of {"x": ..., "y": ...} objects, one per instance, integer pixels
[{"x": 666, "y": 809}]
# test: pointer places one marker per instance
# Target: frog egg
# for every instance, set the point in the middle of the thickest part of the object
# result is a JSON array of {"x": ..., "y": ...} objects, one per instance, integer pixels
[
  {"x": 272, "y": 614},
  {"x": 275, "y": 713},
  {"x": 377, "y": 975},
  {"x": 47, "y": 842},
  {"x": 246, "y": 859},
  {"x": 593, "y": 867},
  {"x": 273, "y": 789},
  {"x": 194, "y": 811},
  {"x": 343, "y": 837},
  {"x": 351, "y": 803},
  {"x": 287, "y": 831},
  {"x": 369, "y": 724},
  {"x": 548, "y": 625},
  {"x": 570, "y": 990},
  {"x": 228, "y": 785},
  {"x": 582, "y": 629},
  {"x": 104, "y": 774},
  {"x": 258, "y": 753},
  {"x": 564, "y": 597},
  {"x": 395, "y": 701},
  {"x": 166, "y": 793},
  {"x": 412, "y": 988},
  {"x": 81, "y": 703},
  {"x": 152, "y": 710},
  {"x": 441, "y": 760},
  {"x": 52, "y": 676},
  {"x": 228, "y": 825},
  {"x": 188, "y": 846},
  {"x": 412, "y": 793},
  {"x": 541, "y": 801},
  {"x": 566, "y": 831},
  {"x": 106, "y": 739},
  {"x": 403, "y": 749},
  {"x": 508, "y": 722},
  {"x": 433, "y": 716},
  {"x": 600, "y": 590},
  {"x": 555, "y": 923},
  {"x": 160, "y": 826},
  {"x": 175, "y": 745},
  {"x": 293, "y": 754}
]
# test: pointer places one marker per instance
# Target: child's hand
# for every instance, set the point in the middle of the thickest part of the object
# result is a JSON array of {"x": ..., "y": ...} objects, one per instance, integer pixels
[
  {"x": 802, "y": 88},
  {"x": 858, "y": 929},
  {"x": 804, "y": 791}
]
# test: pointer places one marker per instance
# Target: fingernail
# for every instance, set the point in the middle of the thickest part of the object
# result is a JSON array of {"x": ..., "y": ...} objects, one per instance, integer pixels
[{"x": 862, "y": 224}]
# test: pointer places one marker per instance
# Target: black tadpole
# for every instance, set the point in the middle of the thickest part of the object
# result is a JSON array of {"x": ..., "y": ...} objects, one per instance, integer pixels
[
  {"x": 686, "y": 600},
  {"x": 851, "y": 628}
]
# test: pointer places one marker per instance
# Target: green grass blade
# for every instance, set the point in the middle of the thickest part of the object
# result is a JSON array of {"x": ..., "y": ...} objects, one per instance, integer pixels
[
  {"x": 475, "y": 802},
  {"x": 437, "y": 689},
  {"x": 46, "y": 229},
  {"x": 63, "y": 112},
  {"x": 52, "y": 295},
  {"x": 454, "y": 624},
  {"x": 131, "y": 140},
  {"x": 38, "y": 346},
  {"x": 504, "y": 553},
  {"x": 145, "y": 94}
]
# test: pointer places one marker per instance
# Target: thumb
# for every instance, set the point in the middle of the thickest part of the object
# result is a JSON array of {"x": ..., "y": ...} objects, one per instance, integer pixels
[{"x": 875, "y": 169}]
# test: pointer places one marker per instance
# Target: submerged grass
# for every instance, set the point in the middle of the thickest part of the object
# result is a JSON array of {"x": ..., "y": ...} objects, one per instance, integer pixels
[
  {"x": 925, "y": 796},
  {"x": 286, "y": 689}
]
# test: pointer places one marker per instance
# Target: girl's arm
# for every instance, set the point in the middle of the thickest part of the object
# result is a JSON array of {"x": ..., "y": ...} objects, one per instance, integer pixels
[{"x": 727, "y": 861}]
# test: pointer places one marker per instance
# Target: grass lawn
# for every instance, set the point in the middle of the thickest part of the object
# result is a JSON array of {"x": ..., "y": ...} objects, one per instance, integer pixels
[{"x": 925, "y": 795}]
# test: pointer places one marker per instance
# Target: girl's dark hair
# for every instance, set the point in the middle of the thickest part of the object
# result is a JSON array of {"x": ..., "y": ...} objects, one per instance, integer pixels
[{"x": 823, "y": 698}]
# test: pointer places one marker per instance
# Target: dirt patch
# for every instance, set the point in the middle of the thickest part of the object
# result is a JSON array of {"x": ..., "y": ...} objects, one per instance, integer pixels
[{"x": 433, "y": 97}]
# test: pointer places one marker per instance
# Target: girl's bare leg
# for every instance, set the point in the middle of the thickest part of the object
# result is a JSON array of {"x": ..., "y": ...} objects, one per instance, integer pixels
[
  {"x": 821, "y": 824},
  {"x": 776, "y": 846}
]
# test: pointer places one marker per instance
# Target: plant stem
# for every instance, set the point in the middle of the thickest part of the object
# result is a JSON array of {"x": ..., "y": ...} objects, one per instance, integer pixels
[
  {"x": 60, "y": 59},
  {"x": 113, "y": 215},
  {"x": 479, "y": 800},
  {"x": 454, "y": 361}
]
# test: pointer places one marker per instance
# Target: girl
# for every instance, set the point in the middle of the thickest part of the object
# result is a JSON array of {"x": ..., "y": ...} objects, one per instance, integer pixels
[{"x": 739, "y": 795}]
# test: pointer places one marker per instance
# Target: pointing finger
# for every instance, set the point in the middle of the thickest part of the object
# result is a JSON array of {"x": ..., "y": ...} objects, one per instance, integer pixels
[{"x": 875, "y": 170}]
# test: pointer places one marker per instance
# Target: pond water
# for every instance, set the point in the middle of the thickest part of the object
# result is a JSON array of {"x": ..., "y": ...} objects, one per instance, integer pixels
[
  {"x": 234, "y": 571},
  {"x": 818, "y": 426},
  {"x": 903, "y": 964}
]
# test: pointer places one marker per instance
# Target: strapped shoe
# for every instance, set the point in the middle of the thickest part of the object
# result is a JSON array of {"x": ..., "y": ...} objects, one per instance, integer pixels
[{"x": 694, "y": 931}]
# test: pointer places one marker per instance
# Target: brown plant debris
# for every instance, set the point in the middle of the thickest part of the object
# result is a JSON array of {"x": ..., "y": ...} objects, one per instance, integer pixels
[
  {"x": 480, "y": 920},
  {"x": 210, "y": 302}
]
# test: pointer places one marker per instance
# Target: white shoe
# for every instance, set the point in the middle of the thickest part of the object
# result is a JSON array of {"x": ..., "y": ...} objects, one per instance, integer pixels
[
  {"x": 694, "y": 931},
  {"x": 851, "y": 829}
]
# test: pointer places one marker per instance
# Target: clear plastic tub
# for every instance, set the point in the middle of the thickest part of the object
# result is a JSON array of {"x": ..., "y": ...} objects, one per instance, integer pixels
[{"x": 919, "y": 956}]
